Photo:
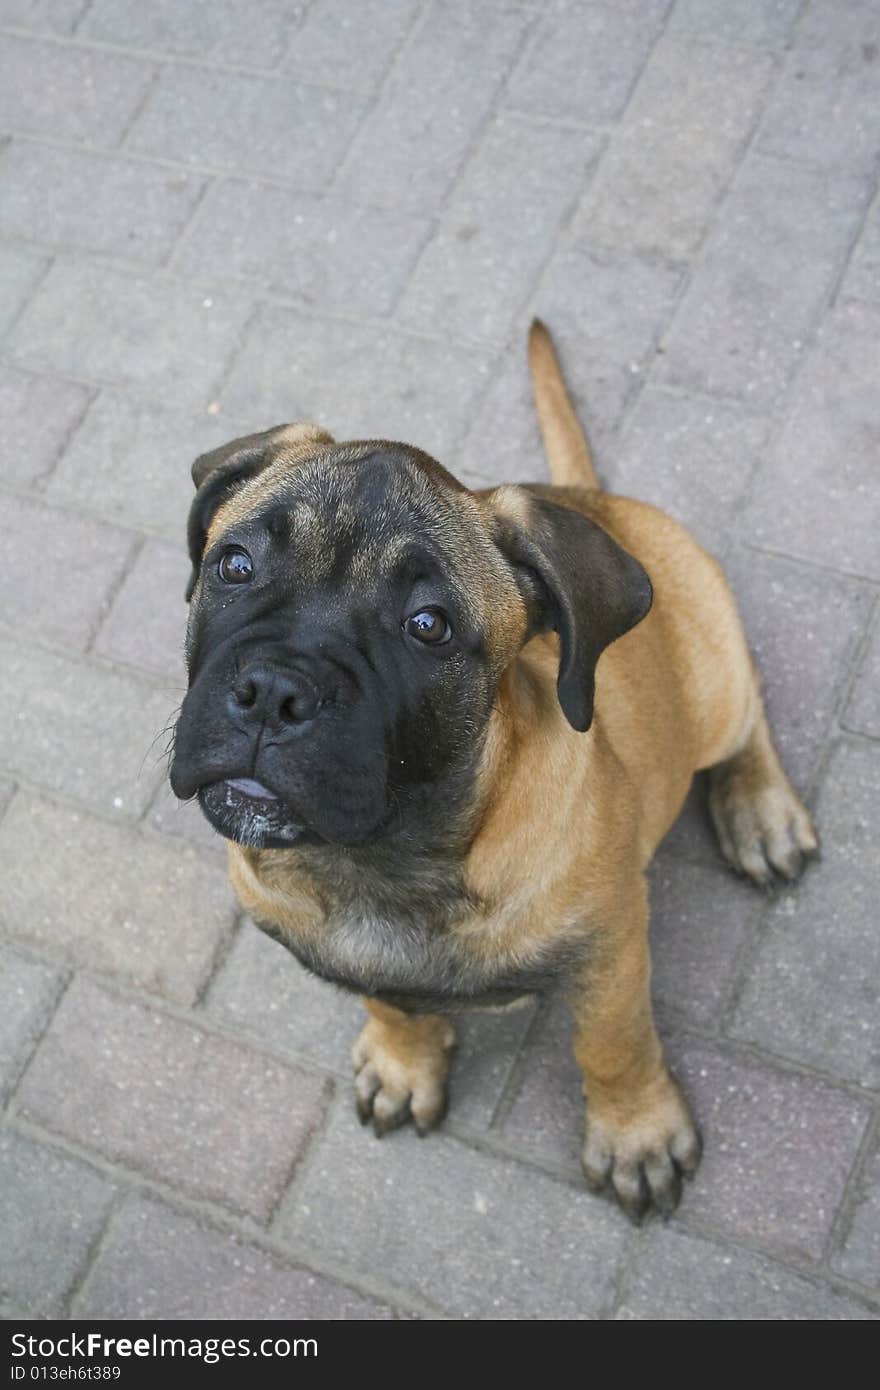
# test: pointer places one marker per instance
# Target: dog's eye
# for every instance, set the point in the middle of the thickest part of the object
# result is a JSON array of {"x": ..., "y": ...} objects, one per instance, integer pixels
[
  {"x": 235, "y": 566},
  {"x": 429, "y": 626}
]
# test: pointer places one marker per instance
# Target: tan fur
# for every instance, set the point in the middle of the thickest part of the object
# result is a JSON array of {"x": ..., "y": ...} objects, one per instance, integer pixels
[
  {"x": 564, "y": 824},
  {"x": 568, "y": 453}
]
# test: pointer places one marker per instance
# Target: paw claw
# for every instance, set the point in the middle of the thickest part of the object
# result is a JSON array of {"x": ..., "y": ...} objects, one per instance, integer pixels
[
  {"x": 392, "y": 1087},
  {"x": 645, "y": 1157}
]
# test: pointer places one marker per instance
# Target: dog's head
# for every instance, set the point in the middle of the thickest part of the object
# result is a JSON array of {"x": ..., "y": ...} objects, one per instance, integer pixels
[{"x": 353, "y": 609}]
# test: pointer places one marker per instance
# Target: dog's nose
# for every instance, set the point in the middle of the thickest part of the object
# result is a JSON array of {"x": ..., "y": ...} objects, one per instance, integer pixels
[{"x": 278, "y": 698}]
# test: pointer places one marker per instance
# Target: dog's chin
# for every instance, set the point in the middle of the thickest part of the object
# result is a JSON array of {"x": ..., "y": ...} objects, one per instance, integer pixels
[{"x": 250, "y": 814}]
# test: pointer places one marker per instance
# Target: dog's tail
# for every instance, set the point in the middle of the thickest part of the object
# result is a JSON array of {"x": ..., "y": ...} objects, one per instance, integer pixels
[{"x": 568, "y": 453}]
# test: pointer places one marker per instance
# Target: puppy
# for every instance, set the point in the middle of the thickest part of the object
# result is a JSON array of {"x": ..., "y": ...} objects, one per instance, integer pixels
[{"x": 444, "y": 732}]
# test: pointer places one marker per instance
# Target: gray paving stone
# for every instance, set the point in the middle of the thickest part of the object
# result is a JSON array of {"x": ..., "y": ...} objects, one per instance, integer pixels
[
  {"x": 738, "y": 21},
  {"x": 353, "y": 48},
  {"x": 130, "y": 461},
  {"x": 146, "y": 624},
  {"x": 768, "y": 267},
  {"x": 324, "y": 253},
  {"x": 69, "y": 93},
  {"x": 106, "y": 898},
  {"x": 669, "y": 159},
  {"x": 478, "y": 1236},
  {"x": 255, "y": 36},
  {"x": 501, "y": 224},
  {"x": 826, "y": 106},
  {"x": 862, "y": 278},
  {"x": 803, "y": 628},
  {"x": 692, "y": 837},
  {"x": 859, "y": 1257},
  {"x": 67, "y": 198},
  {"x": 817, "y": 496},
  {"x": 53, "y": 16},
  {"x": 80, "y": 730},
  {"x": 38, "y": 415},
  {"x": 267, "y": 994},
  {"x": 813, "y": 989},
  {"x": 546, "y": 1119},
  {"x": 7, "y": 788},
  {"x": 360, "y": 381},
  {"x": 29, "y": 990},
  {"x": 20, "y": 269},
  {"x": 682, "y": 1278},
  {"x": 219, "y": 1121},
  {"x": 699, "y": 920},
  {"x": 277, "y": 127},
  {"x": 65, "y": 568},
  {"x": 52, "y": 1210},
  {"x": 778, "y": 1149},
  {"x": 262, "y": 991},
  {"x": 605, "y": 311},
  {"x": 159, "y": 1263},
  {"x": 693, "y": 458},
  {"x": 487, "y": 1050},
  {"x": 863, "y": 710},
  {"x": 183, "y": 820},
  {"x": 586, "y": 61},
  {"x": 441, "y": 91},
  {"x": 161, "y": 336}
]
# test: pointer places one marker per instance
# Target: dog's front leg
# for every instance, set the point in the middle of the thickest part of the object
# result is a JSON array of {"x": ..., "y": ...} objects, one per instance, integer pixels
[
  {"x": 401, "y": 1062},
  {"x": 640, "y": 1136}
]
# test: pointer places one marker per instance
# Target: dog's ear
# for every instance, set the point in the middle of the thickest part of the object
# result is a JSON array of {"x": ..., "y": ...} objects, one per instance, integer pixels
[
  {"x": 220, "y": 473},
  {"x": 577, "y": 581}
]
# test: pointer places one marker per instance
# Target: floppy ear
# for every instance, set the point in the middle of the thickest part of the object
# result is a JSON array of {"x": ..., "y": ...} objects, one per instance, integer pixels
[
  {"x": 220, "y": 473},
  {"x": 578, "y": 582}
]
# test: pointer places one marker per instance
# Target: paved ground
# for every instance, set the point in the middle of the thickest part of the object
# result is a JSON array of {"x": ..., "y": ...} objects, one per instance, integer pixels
[{"x": 217, "y": 217}]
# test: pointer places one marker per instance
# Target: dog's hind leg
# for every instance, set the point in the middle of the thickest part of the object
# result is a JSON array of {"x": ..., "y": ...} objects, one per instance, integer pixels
[{"x": 761, "y": 823}]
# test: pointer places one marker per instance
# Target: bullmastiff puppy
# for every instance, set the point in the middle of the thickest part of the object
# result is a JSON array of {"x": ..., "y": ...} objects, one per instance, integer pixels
[{"x": 444, "y": 732}]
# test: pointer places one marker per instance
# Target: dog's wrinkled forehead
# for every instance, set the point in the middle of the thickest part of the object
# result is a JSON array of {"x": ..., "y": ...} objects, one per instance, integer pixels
[{"x": 350, "y": 512}]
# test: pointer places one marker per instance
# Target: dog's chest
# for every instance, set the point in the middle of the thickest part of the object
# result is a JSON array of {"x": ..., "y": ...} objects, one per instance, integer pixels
[{"x": 417, "y": 966}]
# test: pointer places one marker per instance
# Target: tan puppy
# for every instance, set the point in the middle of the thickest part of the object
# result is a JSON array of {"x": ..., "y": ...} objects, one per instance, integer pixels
[{"x": 437, "y": 793}]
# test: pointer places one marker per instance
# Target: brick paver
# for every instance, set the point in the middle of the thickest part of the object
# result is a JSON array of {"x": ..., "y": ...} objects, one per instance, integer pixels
[{"x": 218, "y": 217}]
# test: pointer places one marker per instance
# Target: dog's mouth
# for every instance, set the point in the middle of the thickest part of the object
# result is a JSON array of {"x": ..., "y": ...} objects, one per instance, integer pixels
[{"x": 251, "y": 814}]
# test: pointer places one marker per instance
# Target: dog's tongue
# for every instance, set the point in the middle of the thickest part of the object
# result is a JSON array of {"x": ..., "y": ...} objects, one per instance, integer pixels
[{"x": 248, "y": 787}]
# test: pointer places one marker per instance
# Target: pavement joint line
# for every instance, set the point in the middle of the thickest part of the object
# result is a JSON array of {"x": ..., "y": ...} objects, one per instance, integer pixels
[
  {"x": 67, "y": 973},
  {"x": 158, "y": 683},
  {"x": 93, "y": 1252},
  {"x": 841, "y": 1226},
  {"x": 111, "y": 593},
  {"x": 139, "y": 107},
  {"x": 224, "y": 945},
  {"x": 162, "y": 58},
  {"x": 814, "y": 1273},
  {"x": 215, "y": 1216},
  {"x": 87, "y": 10},
  {"x": 299, "y": 1162},
  {"x": 510, "y": 1089},
  {"x": 419, "y": 21},
  {"x": 137, "y": 827},
  {"x": 39, "y": 280},
  {"x": 247, "y": 1228},
  {"x": 870, "y": 581},
  {"x": 217, "y": 284}
]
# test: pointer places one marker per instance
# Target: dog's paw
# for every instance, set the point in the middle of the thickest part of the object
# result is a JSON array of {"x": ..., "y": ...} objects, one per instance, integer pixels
[
  {"x": 393, "y": 1084},
  {"x": 643, "y": 1158},
  {"x": 762, "y": 832}
]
